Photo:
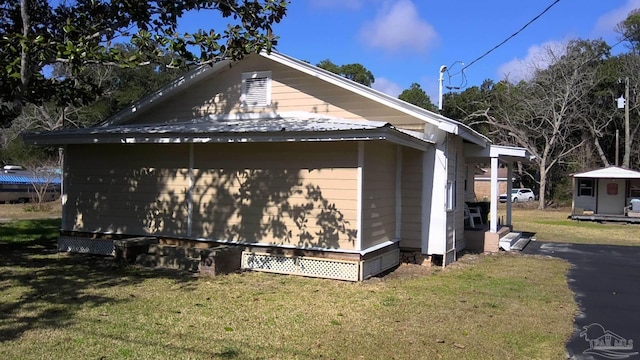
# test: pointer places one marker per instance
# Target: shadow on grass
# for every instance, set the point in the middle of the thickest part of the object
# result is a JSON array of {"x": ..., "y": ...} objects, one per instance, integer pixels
[{"x": 40, "y": 288}]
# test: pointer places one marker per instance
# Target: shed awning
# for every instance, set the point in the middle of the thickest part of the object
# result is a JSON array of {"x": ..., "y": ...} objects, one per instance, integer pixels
[{"x": 611, "y": 172}]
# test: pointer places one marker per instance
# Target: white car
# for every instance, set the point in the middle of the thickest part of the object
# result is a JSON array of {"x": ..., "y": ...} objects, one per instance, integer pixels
[{"x": 520, "y": 194}]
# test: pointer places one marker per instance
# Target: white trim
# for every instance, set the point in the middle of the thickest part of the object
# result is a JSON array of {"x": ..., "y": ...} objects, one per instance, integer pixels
[
  {"x": 360, "y": 189},
  {"x": 493, "y": 226},
  {"x": 190, "y": 191},
  {"x": 398, "y": 191},
  {"x": 311, "y": 248},
  {"x": 63, "y": 188}
]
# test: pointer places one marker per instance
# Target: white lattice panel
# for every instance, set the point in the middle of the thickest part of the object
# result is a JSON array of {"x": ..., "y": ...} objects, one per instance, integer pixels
[
  {"x": 328, "y": 268},
  {"x": 268, "y": 262},
  {"x": 85, "y": 245},
  {"x": 306, "y": 266}
]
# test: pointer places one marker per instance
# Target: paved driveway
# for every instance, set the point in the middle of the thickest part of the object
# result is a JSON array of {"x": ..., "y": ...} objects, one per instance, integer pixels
[{"x": 606, "y": 283}]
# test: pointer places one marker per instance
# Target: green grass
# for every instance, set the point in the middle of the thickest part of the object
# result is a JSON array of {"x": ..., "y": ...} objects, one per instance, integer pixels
[
  {"x": 19, "y": 232},
  {"x": 57, "y": 306},
  {"x": 553, "y": 225}
]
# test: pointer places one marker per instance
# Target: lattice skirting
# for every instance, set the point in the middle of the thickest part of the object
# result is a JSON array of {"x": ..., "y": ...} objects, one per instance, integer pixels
[
  {"x": 354, "y": 270},
  {"x": 85, "y": 245}
]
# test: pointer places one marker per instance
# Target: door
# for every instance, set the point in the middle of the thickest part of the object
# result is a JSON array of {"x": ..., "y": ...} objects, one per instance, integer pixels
[{"x": 611, "y": 196}]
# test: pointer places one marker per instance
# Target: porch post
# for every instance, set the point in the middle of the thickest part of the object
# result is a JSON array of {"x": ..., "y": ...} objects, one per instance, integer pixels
[
  {"x": 493, "y": 226},
  {"x": 509, "y": 188}
]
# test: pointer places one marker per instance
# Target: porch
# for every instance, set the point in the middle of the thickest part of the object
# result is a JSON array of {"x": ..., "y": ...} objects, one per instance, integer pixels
[{"x": 495, "y": 232}]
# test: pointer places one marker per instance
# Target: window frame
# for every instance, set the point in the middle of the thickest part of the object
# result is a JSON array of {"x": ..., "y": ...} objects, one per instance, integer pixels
[{"x": 591, "y": 187}]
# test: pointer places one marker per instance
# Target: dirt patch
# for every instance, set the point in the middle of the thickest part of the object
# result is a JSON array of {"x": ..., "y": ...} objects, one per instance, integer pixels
[
  {"x": 11, "y": 212},
  {"x": 408, "y": 271}
]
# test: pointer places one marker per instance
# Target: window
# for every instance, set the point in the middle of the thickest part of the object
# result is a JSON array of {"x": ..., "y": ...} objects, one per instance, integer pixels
[
  {"x": 585, "y": 187},
  {"x": 451, "y": 196},
  {"x": 256, "y": 89}
]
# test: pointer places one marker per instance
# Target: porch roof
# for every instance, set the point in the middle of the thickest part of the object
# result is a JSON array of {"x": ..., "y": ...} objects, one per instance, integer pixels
[{"x": 611, "y": 172}]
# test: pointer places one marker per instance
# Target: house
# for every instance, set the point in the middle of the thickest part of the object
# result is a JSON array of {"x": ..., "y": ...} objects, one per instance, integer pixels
[
  {"x": 482, "y": 180},
  {"x": 308, "y": 172},
  {"x": 606, "y": 194}
]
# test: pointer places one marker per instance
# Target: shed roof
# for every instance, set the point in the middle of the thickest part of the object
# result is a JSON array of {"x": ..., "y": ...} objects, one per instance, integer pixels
[
  {"x": 283, "y": 127},
  {"x": 611, "y": 172}
]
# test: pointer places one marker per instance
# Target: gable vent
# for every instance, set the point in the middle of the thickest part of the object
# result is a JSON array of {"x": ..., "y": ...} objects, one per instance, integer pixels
[{"x": 256, "y": 89}]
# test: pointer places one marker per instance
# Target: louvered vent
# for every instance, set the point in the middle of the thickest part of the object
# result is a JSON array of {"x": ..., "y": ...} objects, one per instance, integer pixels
[{"x": 256, "y": 88}]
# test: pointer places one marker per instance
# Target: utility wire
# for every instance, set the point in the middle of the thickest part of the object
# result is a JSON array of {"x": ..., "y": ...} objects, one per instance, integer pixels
[{"x": 512, "y": 36}]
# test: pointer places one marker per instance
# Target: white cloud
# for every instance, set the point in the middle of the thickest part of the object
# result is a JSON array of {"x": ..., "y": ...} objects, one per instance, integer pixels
[
  {"x": 538, "y": 57},
  {"x": 398, "y": 28},
  {"x": 387, "y": 86},
  {"x": 607, "y": 22}
]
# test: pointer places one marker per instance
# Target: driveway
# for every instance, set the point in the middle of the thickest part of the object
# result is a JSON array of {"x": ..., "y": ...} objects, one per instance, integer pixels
[{"x": 606, "y": 282}]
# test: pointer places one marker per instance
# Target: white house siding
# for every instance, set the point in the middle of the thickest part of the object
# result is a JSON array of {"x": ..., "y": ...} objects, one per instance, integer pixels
[
  {"x": 460, "y": 175},
  {"x": 292, "y": 90},
  {"x": 379, "y": 193},
  {"x": 412, "y": 176},
  {"x": 302, "y": 194},
  {"x": 126, "y": 189}
]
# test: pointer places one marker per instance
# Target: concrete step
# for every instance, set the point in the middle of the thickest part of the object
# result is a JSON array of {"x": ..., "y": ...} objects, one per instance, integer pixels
[
  {"x": 169, "y": 262},
  {"x": 520, "y": 244},
  {"x": 516, "y": 241},
  {"x": 507, "y": 241},
  {"x": 179, "y": 251}
]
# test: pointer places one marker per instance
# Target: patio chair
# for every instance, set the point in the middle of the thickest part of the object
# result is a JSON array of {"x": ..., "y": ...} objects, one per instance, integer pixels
[{"x": 472, "y": 213}]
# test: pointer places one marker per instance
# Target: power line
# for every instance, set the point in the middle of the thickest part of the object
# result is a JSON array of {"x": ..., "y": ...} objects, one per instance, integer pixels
[{"x": 512, "y": 35}]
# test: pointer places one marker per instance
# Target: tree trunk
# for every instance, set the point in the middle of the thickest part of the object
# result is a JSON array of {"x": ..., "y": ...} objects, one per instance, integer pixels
[
  {"x": 543, "y": 186},
  {"x": 603, "y": 157}
]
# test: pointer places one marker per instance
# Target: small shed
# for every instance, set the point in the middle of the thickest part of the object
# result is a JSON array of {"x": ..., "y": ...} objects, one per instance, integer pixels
[{"x": 606, "y": 194}]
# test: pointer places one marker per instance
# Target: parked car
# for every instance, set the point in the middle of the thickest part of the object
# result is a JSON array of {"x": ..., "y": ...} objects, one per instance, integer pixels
[{"x": 520, "y": 194}]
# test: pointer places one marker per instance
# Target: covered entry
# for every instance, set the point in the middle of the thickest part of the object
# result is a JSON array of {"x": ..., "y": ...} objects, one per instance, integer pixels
[{"x": 606, "y": 194}]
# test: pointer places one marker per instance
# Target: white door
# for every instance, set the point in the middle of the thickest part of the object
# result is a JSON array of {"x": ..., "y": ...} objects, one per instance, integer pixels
[{"x": 611, "y": 196}]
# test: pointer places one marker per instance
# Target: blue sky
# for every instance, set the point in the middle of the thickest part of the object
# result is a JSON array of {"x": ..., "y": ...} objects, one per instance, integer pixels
[{"x": 406, "y": 41}]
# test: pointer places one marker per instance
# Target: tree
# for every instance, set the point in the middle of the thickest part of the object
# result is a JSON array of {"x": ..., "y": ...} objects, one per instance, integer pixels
[
  {"x": 416, "y": 96},
  {"x": 355, "y": 72},
  {"x": 40, "y": 36},
  {"x": 543, "y": 114},
  {"x": 461, "y": 106},
  {"x": 629, "y": 30}
]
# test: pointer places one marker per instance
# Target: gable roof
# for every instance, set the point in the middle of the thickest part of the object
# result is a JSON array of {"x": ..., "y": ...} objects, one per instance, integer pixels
[
  {"x": 191, "y": 78},
  {"x": 611, "y": 172}
]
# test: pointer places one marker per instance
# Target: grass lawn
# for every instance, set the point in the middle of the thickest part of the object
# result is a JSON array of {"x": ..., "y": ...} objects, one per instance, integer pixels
[
  {"x": 58, "y": 306},
  {"x": 553, "y": 225}
]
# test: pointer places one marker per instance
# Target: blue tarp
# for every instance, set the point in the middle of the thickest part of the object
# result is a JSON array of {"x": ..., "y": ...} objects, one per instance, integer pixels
[{"x": 12, "y": 178}]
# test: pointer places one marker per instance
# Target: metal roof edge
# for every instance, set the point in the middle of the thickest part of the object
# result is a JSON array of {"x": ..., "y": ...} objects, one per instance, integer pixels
[{"x": 387, "y": 133}]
